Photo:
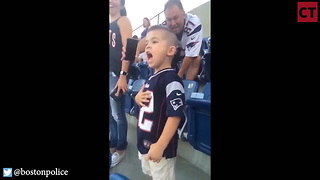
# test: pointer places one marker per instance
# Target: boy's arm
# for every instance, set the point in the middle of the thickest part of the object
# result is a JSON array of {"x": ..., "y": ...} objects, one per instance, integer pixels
[
  {"x": 156, "y": 150},
  {"x": 169, "y": 130}
]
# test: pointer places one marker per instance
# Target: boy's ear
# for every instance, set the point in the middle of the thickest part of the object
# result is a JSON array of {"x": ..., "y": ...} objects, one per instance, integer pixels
[{"x": 171, "y": 51}]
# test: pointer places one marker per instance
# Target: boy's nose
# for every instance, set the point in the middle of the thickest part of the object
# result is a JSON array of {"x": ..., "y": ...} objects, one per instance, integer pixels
[{"x": 147, "y": 47}]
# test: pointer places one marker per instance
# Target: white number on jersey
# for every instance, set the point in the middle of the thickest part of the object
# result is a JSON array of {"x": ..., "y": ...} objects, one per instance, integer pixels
[{"x": 146, "y": 124}]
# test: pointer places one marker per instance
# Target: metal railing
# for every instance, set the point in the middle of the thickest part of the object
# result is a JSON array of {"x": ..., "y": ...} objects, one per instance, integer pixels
[{"x": 153, "y": 21}]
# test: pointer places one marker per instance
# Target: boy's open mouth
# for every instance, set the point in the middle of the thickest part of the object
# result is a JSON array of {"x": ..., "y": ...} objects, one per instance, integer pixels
[{"x": 149, "y": 55}]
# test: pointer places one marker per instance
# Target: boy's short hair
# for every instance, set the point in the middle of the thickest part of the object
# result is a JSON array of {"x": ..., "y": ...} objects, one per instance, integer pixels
[{"x": 170, "y": 36}]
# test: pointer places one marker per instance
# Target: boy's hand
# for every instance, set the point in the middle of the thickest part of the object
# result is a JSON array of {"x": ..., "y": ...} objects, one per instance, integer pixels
[
  {"x": 155, "y": 153},
  {"x": 142, "y": 97}
]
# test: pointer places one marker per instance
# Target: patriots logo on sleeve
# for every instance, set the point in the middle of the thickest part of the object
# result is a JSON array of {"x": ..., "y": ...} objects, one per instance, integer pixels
[
  {"x": 176, "y": 103},
  {"x": 190, "y": 45}
]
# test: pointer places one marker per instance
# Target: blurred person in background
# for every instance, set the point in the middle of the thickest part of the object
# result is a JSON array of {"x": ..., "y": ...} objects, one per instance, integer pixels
[
  {"x": 146, "y": 25},
  {"x": 135, "y": 37}
]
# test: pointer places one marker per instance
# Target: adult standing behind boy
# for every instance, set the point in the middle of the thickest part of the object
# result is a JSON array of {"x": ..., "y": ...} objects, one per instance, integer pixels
[
  {"x": 119, "y": 31},
  {"x": 162, "y": 102},
  {"x": 188, "y": 30}
]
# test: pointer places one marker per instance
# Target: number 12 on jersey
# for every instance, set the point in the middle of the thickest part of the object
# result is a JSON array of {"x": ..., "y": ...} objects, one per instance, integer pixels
[{"x": 143, "y": 123}]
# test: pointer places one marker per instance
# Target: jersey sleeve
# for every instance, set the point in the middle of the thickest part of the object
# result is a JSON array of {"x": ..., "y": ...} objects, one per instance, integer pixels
[
  {"x": 175, "y": 98},
  {"x": 193, "y": 28}
]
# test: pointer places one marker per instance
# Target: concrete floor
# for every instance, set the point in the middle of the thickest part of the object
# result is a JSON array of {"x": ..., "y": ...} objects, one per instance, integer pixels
[{"x": 130, "y": 166}]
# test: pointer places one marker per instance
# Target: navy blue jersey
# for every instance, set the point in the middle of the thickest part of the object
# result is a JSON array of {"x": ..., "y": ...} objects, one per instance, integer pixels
[
  {"x": 115, "y": 48},
  {"x": 144, "y": 33},
  {"x": 167, "y": 100}
]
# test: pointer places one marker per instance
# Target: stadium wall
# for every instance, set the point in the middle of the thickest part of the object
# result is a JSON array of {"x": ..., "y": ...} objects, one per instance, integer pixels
[{"x": 203, "y": 12}]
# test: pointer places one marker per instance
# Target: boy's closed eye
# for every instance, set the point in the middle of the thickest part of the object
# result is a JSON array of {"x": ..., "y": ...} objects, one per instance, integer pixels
[{"x": 152, "y": 42}]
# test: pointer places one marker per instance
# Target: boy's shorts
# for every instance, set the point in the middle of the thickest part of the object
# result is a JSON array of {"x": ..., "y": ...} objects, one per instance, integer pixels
[{"x": 164, "y": 170}]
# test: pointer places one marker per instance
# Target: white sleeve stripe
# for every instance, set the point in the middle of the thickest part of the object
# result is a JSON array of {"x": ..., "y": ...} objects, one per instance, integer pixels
[{"x": 174, "y": 86}]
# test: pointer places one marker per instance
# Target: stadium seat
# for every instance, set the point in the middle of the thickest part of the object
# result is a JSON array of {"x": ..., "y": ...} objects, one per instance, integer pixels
[
  {"x": 189, "y": 87},
  {"x": 207, "y": 66},
  {"x": 205, "y": 45},
  {"x": 209, "y": 44},
  {"x": 205, "y": 48},
  {"x": 199, "y": 115},
  {"x": 201, "y": 76},
  {"x": 134, "y": 71},
  {"x": 128, "y": 100},
  {"x": 144, "y": 70},
  {"x": 136, "y": 86},
  {"x": 207, "y": 91},
  {"x": 117, "y": 176}
]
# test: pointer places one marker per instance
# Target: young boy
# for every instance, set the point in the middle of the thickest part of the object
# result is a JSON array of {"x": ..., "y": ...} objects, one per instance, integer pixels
[{"x": 162, "y": 102}]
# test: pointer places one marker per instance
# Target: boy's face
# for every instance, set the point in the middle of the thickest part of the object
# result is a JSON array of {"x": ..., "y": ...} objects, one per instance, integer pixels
[{"x": 158, "y": 49}]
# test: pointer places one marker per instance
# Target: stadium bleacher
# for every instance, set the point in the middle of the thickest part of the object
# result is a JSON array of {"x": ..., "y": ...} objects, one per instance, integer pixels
[
  {"x": 189, "y": 88},
  {"x": 199, "y": 115},
  {"x": 136, "y": 86},
  {"x": 205, "y": 73}
]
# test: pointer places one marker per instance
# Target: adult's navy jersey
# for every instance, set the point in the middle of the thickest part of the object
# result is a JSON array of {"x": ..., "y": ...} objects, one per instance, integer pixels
[
  {"x": 115, "y": 47},
  {"x": 167, "y": 100}
]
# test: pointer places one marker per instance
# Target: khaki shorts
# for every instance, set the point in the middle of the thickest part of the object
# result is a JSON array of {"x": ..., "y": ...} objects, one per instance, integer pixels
[{"x": 164, "y": 170}]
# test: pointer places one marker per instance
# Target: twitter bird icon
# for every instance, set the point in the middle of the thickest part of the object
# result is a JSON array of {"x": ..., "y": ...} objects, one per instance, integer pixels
[{"x": 7, "y": 172}]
